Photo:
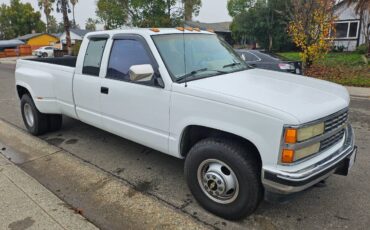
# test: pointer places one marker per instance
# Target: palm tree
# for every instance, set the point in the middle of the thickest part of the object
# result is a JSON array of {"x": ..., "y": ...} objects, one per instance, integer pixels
[
  {"x": 63, "y": 6},
  {"x": 73, "y": 2},
  {"x": 47, "y": 6}
]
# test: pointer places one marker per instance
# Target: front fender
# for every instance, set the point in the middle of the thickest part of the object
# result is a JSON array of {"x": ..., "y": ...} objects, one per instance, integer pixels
[{"x": 262, "y": 130}]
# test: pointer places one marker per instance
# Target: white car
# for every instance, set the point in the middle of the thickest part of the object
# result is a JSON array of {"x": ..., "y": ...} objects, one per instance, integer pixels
[
  {"x": 245, "y": 134},
  {"x": 46, "y": 51}
]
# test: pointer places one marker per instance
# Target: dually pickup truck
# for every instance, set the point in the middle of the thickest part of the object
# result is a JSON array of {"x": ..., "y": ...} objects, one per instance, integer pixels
[{"x": 246, "y": 134}]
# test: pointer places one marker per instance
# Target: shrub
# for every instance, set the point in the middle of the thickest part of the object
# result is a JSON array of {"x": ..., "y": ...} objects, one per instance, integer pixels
[
  {"x": 76, "y": 48},
  {"x": 338, "y": 48},
  {"x": 362, "y": 49}
]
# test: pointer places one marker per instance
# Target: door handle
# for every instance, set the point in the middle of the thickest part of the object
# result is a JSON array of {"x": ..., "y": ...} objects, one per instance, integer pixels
[{"x": 104, "y": 90}]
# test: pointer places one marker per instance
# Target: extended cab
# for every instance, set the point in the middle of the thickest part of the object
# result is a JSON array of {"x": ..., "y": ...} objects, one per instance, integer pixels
[{"x": 245, "y": 134}]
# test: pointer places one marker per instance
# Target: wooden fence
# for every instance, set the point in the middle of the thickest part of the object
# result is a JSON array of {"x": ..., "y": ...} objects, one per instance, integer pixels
[{"x": 22, "y": 50}]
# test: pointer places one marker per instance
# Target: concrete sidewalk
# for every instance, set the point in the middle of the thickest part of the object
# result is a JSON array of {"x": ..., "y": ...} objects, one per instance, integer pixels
[
  {"x": 359, "y": 91},
  {"x": 26, "y": 204}
]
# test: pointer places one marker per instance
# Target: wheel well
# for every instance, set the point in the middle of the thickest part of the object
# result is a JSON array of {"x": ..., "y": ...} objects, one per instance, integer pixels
[
  {"x": 22, "y": 91},
  {"x": 193, "y": 134}
]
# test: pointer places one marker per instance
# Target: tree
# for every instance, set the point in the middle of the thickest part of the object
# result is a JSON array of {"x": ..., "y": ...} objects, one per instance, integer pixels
[
  {"x": 360, "y": 5},
  {"x": 363, "y": 9},
  {"x": 63, "y": 7},
  {"x": 17, "y": 19},
  {"x": 260, "y": 21},
  {"x": 74, "y": 2},
  {"x": 112, "y": 13},
  {"x": 53, "y": 25},
  {"x": 191, "y": 7},
  {"x": 47, "y": 6},
  {"x": 142, "y": 13},
  {"x": 156, "y": 13},
  {"x": 237, "y": 7},
  {"x": 312, "y": 28},
  {"x": 90, "y": 24}
]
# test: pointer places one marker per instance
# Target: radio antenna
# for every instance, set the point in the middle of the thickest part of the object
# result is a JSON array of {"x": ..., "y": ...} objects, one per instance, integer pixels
[{"x": 183, "y": 40}]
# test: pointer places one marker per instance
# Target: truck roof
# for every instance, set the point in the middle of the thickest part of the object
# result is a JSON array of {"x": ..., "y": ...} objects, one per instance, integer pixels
[{"x": 148, "y": 31}]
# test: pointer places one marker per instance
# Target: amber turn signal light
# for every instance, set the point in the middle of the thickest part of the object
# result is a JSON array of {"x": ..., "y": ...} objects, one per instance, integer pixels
[
  {"x": 287, "y": 156},
  {"x": 291, "y": 136},
  {"x": 156, "y": 30}
]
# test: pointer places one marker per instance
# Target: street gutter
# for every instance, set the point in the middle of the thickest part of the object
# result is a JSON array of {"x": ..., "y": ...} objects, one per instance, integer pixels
[{"x": 104, "y": 200}]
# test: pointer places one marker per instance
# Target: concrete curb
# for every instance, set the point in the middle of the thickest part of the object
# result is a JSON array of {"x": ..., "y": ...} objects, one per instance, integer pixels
[
  {"x": 359, "y": 91},
  {"x": 104, "y": 200}
]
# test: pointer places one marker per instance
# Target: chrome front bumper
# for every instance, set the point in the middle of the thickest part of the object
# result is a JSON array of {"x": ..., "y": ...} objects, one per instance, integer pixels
[{"x": 282, "y": 182}]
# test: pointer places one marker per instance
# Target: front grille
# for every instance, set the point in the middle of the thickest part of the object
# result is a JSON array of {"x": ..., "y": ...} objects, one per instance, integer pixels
[
  {"x": 330, "y": 141},
  {"x": 336, "y": 121}
]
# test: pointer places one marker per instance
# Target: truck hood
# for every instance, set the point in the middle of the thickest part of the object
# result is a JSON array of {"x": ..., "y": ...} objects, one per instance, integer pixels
[{"x": 304, "y": 98}]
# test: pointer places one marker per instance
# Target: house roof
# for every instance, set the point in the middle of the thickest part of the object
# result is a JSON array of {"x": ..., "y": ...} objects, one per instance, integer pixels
[
  {"x": 217, "y": 27},
  {"x": 29, "y": 36},
  {"x": 339, "y": 3},
  {"x": 57, "y": 35},
  {"x": 10, "y": 43},
  {"x": 80, "y": 32}
]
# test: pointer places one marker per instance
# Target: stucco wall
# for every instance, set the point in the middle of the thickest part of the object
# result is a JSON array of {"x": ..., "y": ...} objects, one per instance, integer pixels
[{"x": 42, "y": 40}]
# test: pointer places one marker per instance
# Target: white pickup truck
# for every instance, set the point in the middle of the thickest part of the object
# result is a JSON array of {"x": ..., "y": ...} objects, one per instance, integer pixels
[{"x": 245, "y": 134}]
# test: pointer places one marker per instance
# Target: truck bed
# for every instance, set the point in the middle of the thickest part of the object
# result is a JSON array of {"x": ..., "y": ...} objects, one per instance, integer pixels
[
  {"x": 50, "y": 80},
  {"x": 64, "y": 61}
]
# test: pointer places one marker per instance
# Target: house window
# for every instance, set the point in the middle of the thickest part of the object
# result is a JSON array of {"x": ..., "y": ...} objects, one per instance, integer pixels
[{"x": 345, "y": 30}]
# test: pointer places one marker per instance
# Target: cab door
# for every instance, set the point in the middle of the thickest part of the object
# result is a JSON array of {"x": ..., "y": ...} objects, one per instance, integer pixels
[
  {"x": 87, "y": 83},
  {"x": 138, "y": 111}
]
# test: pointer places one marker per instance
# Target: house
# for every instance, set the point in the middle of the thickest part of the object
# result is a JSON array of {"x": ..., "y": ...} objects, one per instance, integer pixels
[
  {"x": 10, "y": 44},
  {"x": 37, "y": 40},
  {"x": 351, "y": 28},
  {"x": 76, "y": 35},
  {"x": 222, "y": 29}
]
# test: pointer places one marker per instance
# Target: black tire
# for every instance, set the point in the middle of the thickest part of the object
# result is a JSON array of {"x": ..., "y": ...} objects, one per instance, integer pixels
[
  {"x": 55, "y": 122},
  {"x": 39, "y": 125},
  {"x": 244, "y": 166},
  {"x": 45, "y": 55}
]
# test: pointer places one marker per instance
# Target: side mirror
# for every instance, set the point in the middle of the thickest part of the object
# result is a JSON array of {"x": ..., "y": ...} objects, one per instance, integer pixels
[{"x": 140, "y": 73}]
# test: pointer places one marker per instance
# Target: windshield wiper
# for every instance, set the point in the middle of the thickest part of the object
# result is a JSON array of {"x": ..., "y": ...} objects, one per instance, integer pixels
[
  {"x": 194, "y": 72},
  {"x": 232, "y": 64}
]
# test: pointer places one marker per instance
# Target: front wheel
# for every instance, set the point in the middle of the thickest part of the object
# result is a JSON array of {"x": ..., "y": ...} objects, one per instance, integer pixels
[{"x": 224, "y": 178}]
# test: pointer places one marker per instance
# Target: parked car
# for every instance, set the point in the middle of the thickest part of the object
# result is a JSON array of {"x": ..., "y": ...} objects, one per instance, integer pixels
[
  {"x": 245, "y": 134},
  {"x": 270, "y": 61},
  {"x": 46, "y": 51}
]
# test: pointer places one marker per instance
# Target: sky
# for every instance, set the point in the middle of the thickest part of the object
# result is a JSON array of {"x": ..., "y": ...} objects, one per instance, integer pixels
[{"x": 211, "y": 11}]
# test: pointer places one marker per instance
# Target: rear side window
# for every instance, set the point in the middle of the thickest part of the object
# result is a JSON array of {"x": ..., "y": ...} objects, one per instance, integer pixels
[
  {"x": 126, "y": 53},
  {"x": 93, "y": 57}
]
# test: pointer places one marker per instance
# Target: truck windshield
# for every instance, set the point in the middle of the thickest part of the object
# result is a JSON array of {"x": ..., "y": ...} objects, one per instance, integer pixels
[{"x": 194, "y": 56}]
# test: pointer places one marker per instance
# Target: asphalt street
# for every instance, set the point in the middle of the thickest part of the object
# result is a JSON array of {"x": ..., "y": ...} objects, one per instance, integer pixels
[{"x": 343, "y": 203}]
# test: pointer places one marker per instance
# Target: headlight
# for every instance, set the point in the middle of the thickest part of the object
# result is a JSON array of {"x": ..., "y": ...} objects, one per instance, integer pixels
[
  {"x": 297, "y": 135},
  {"x": 306, "y": 133},
  {"x": 305, "y": 152},
  {"x": 293, "y": 135}
]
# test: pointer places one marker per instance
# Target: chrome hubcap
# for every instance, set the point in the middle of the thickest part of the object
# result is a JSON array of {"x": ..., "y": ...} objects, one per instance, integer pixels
[
  {"x": 28, "y": 114},
  {"x": 218, "y": 181}
]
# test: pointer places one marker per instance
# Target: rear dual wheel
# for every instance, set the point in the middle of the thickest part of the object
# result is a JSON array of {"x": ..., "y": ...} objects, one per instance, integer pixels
[
  {"x": 224, "y": 178},
  {"x": 36, "y": 122}
]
